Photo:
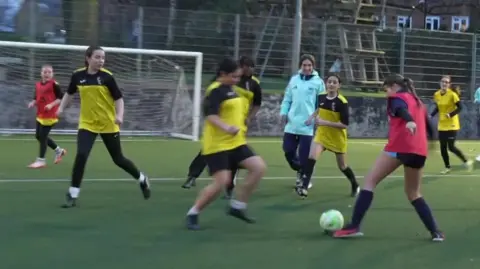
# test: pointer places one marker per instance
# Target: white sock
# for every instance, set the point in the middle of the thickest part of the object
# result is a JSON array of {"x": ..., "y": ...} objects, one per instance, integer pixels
[
  {"x": 237, "y": 204},
  {"x": 193, "y": 211},
  {"x": 41, "y": 160},
  {"x": 142, "y": 177},
  {"x": 58, "y": 149},
  {"x": 74, "y": 192}
]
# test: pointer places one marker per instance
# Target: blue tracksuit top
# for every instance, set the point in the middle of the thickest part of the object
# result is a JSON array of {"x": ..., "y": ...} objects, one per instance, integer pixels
[{"x": 300, "y": 101}]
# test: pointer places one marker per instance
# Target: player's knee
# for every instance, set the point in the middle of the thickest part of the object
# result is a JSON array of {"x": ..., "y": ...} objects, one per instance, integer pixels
[{"x": 259, "y": 167}]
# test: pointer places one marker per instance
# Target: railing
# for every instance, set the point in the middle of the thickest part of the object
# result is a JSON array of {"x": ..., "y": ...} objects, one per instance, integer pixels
[{"x": 422, "y": 55}]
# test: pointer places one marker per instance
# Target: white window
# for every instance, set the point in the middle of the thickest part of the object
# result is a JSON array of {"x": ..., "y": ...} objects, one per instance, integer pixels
[
  {"x": 404, "y": 22},
  {"x": 432, "y": 23},
  {"x": 460, "y": 23}
]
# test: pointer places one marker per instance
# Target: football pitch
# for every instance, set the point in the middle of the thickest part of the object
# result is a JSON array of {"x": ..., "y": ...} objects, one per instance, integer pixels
[{"x": 113, "y": 227}]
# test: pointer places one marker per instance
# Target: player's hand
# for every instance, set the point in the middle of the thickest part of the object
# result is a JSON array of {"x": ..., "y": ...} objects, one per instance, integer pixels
[
  {"x": 447, "y": 115},
  {"x": 411, "y": 126},
  {"x": 48, "y": 107},
  {"x": 284, "y": 119},
  {"x": 233, "y": 130},
  {"x": 32, "y": 104},
  {"x": 320, "y": 122},
  {"x": 59, "y": 112},
  {"x": 118, "y": 120},
  {"x": 308, "y": 122}
]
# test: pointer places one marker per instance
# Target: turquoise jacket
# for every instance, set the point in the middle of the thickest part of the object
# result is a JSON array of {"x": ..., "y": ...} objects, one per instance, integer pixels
[
  {"x": 300, "y": 101},
  {"x": 477, "y": 96}
]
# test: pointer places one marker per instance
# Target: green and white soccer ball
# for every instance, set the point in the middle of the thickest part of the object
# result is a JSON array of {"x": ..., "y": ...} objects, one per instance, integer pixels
[{"x": 331, "y": 220}]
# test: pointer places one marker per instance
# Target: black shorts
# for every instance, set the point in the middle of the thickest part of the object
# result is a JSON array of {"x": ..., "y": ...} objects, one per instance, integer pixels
[
  {"x": 225, "y": 160},
  {"x": 412, "y": 160},
  {"x": 447, "y": 135}
]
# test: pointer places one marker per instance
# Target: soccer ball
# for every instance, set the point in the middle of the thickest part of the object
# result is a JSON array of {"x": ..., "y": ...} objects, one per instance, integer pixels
[{"x": 331, "y": 220}]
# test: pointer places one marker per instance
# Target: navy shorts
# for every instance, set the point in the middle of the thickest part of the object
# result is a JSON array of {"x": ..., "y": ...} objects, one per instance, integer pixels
[{"x": 409, "y": 159}]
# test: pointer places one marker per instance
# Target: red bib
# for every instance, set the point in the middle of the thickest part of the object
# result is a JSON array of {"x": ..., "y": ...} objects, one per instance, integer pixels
[
  {"x": 45, "y": 94},
  {"x": 400, "y": 139}
]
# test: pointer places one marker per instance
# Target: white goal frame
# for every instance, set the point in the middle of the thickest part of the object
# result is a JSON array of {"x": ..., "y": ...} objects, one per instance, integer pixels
[{"x": 61, "y": 47}]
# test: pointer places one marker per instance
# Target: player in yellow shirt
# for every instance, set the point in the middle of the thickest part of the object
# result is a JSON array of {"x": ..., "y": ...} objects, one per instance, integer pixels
[
  {"x": 448, "y": 106},
  {"x": 332, "y": 118},
  {"x": 224, "y": 144},
  {"x": 101, "y": 113}
]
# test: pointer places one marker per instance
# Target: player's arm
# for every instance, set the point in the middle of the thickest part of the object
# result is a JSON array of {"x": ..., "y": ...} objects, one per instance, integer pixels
[
  {"x": 287, "y": 100},
  {"x": 68, "y": 96},
  {"x": 33, "y": 102},
  {"x": 458, "y": 106},
  {"x": 117, "y": 97},
  {"x": 256, "y": 102},
  {"x": 317, "y": 107},
  {"x": 399, "y": 108},
  {"x": 212, "y": 108},
  {"x": 344, "y": 115},
  {"x": 58, "y": 95}
]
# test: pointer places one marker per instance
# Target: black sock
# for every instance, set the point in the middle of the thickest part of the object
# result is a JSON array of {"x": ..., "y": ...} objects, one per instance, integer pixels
[
  {"x": 444, "y": 152},
  {"x": 348, "y": 172},
  {"x": 362, "y": 205},
  {"x": 196, "y": 166},
  {"x": 307, "y": 172},
  {"x": 425, "y": 214},
  {"x": 51, "y": 144}
]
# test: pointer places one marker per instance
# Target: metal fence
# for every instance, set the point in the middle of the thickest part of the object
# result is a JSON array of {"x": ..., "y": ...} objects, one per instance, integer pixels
[{"x": 422, "y": 55}]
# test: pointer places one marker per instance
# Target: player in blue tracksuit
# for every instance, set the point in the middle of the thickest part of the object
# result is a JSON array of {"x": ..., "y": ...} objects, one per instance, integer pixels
[{"x": 299, "y": 102}]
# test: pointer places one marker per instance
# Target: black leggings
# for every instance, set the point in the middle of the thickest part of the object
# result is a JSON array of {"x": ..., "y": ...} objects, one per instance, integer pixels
[
  {"x": 41, "y": 134},
  {"x": 198, "y": 164},
  {"x": 85, "y": 141},
  {"x": 447, "y": 143}
]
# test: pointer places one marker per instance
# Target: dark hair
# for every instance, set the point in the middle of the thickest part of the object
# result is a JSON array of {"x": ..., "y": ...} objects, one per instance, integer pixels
[
  {"x": 89, "y": 52},
  {"x": 226, "y": 66},
  {"x": 246, "y": 61},
  {"x": 309, "y": 57},
  {"x": 455, "y": 89},
  {"x": 333, "y": 75},
  {"x": 403, "y": 82}
]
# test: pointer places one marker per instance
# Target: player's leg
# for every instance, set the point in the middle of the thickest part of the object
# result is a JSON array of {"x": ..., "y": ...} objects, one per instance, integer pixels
[
  {"x": 59, "y": 152},
  {"x": 218, "y": 166},
  {"x": 348, "y": 172},
  {"x": 256, "y": 168},
  {"x": 41, "y": 138},
  {"x": 85, "y": 141},
  {"x": 385, "y": 164},
  {"x": 452, "y": 148},
  {"x": 307, "y": 170},
  {"x": 113, "y": 144},
  {"x": 290, "y": 146},
  {"x": 413, "y": 165},
  {"x": 305, "y": 142},
  {"x": 443, "y": 139},
  {"x": 233, "y": 181},
  {"x": 194, "y": 170}
]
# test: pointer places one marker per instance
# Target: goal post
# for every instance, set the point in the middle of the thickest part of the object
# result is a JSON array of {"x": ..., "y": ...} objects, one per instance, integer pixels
[{"x": 160, "y": 99}]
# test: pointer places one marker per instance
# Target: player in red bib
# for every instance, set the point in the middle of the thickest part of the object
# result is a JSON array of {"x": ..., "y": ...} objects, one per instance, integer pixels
[
  {"x": 408, "y": 146},
  {"x": 47, "y": 98}
]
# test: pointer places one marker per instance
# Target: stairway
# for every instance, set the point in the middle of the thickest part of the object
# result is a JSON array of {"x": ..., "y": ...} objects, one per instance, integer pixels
[{"x": 363, "y": 61}]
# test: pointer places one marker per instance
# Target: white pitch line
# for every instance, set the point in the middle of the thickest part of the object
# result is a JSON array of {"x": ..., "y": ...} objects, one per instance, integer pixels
[{"x": 39, "y": 180}]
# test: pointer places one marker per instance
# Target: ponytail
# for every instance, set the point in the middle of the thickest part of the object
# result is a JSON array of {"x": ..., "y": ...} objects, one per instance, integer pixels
[{"x": 408, "y": 84}]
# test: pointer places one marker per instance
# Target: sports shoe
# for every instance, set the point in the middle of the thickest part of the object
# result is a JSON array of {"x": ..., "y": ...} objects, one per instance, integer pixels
[
  {"x": 347, "y": 233},
  {"x": 39, "y": 163},
  {"x": 240, "y": 214},
  {"x": 190, "y": 182},
  {"x": 145, "y": 187},
  {"x": 192, "y": 222},
  {"x": 70, "y": 201},
  {"x": 355, "y": 190},
  {"x": 302, "y": 192},
  {"x": 438, "y": 236},
  {"x": 469, "y": 165},
  {"x": 445, "y": 171},
  {"x": 59, "y": 155}
]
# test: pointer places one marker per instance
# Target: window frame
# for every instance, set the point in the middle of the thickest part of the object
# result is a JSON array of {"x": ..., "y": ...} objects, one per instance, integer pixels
[
  {"x": 458, "y": 20},
  {"x": 401, "y": 19},
  {"x": 431, "y": 20}
]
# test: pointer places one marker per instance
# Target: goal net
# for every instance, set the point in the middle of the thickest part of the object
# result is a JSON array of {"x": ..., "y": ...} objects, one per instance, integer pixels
[{"x": 161, "y": 88}]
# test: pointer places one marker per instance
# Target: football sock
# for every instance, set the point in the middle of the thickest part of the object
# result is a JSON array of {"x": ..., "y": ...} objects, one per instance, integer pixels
[
  {"x": 362, "y": 205},
  {"x": 142, "y": 177},
  {"x": 193, "y": 211},
  {"x": 444, "y": 153},
  {"x": 292, "y": 160},
  {"x": 348, "y": 172},
  {"x": 74, "y": 192},
  {"x": 425, "y": 214},
  {"x": 307, "y": 172},
  {"x": 237, "y": 204}
]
